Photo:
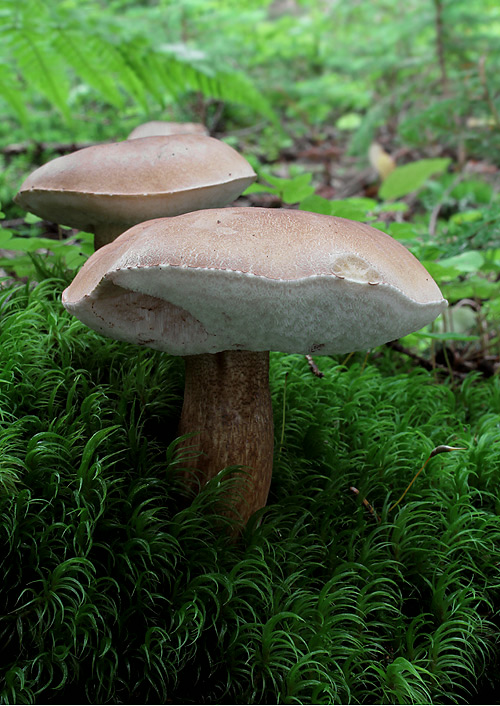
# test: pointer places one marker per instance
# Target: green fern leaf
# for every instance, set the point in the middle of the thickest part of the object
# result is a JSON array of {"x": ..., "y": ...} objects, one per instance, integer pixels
[
  {"x": 40, "y": 68},
  {"x": 125, "y": 57},
  {"x": 87, "y": 57},
  {"x": 154, "y": 78},
  {"x": 11, "y": 95},
  {"x": 232, "y": 87}
]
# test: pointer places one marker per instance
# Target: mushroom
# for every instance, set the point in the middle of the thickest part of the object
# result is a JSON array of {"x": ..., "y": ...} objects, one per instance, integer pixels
[
  {"x": 223, "y": 287},
  {"x": 106, "y": 189},
  {"x": 161, "y": 127}
]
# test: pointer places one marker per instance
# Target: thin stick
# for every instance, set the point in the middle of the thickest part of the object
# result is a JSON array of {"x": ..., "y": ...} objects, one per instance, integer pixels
[
  {"x": 395, "y": 345},
  {"x": 438, "y": 450},
  {"x": 366, "y": 504},
  {"x": 282, "y": 440},
  {"x": 365, "y": 361},
  {"x": 314, "y": 368},
  {"x": 345, "y": 361}
]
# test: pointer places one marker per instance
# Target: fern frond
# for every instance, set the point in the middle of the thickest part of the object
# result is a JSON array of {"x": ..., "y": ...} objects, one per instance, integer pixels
[
  {"x": 171, "y": 74},
  {"x": 46, "y": 51},
  {"x": 87, "y": 59},
  {"x": 42, "y": 69},
  {"x": 9, "y": 90}
]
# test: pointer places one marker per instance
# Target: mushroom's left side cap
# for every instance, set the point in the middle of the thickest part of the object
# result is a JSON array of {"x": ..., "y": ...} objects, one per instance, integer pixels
[{"x": 129, "y": 182}]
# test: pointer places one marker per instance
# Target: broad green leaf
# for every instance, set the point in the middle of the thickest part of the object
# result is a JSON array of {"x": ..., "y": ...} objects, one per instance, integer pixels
[
  {"x": 392, "y": 207},
  {"x": 293, "y": 190},
  {"x": 402, "y": 231},
  {"x": 439, "y": 271},
  {"x": 5, "y": 236},
  {"x": 296, "y": 189},
  {"x": 410, "y": 177},
  {"x": 260, "y": 189},
  {"x": 30, "y": 244},
  {"x": 344, "y": 209},
  {"x": 74, "y": 258},
  {"x": 470, "y": 261},
  {"x": 32, "y": 219},
  {"x": 358, "y": 202},
  {"x": 22, "y": 266},
  {"x": 316, "y": 204},
  {"x": 356, "y": 209}
]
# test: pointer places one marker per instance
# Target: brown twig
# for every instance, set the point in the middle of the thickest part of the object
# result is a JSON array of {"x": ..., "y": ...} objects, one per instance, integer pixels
[
  {"x": 314, "y": 368},
  {"x": 366, "y": 504},
  {"x": 423, "y": 362}
]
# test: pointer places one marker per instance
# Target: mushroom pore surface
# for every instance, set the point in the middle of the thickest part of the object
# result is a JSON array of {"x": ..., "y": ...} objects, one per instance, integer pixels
[{"x": 254, "y": 279}]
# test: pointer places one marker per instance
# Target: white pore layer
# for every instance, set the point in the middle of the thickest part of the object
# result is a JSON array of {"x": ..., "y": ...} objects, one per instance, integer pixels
[{"x": 186, "y": 311}]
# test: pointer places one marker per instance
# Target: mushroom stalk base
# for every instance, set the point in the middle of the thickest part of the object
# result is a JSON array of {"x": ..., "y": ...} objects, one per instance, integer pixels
[{"x": 228, "y": 402}]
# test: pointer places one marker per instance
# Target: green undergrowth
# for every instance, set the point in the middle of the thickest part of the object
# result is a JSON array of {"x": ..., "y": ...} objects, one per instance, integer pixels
[{"x": 119, "y": 588}]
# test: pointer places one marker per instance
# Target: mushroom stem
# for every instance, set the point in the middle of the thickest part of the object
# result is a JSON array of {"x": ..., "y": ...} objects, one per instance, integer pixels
[
  {"x": 104, "y": 234},
  {"x": 227, "y": 400}
]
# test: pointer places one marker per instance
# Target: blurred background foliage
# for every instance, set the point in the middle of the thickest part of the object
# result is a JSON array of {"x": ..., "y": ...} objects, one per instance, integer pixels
[{"x": 316, "y": 62}]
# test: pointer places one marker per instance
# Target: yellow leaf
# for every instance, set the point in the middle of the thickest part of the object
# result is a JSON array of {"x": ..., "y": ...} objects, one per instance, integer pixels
[{"x": 381, "y": 160}]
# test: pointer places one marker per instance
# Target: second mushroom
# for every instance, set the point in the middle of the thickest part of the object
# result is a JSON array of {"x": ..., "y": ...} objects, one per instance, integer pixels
[{"x": 106, "y": 189}]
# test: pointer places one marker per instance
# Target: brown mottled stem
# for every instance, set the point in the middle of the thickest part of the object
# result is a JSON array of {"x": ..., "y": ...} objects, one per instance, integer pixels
[{"x": 227, "y": 400}]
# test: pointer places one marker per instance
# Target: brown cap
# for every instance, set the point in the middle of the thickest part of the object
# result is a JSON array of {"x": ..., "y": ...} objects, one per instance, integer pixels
[
  {"x": 161, "y": 127},
  {"x": 124, "y": 183},
  {"x": 254, "y": 279}
]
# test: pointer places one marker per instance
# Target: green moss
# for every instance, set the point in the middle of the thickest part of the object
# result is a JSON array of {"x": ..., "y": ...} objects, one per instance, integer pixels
[{"x": 117, "y": 588}]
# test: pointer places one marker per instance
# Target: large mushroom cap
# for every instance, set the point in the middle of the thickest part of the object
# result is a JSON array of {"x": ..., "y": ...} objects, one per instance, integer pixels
[
  {"x": 162, "y": 127},
  {"x": 254, "y": 279},
  {"x": 133, "y": 181}
]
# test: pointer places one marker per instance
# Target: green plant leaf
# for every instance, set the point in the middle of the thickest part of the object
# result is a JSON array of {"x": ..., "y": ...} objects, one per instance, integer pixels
[
  {"x": 402, "y": 231},
  {"x": 293, "y": 190},
  {"x": 470, "y": 261},
  {"x": 32, "y": 219},
  {"x": 410, "y": 177},
  {"x": 356, "y": 209},
  {"x": 316, "y": 204}
]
